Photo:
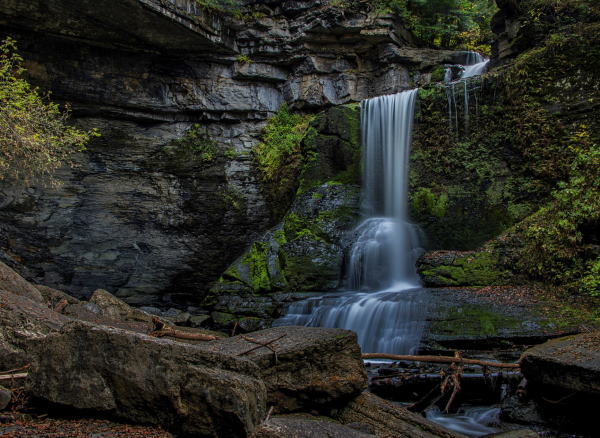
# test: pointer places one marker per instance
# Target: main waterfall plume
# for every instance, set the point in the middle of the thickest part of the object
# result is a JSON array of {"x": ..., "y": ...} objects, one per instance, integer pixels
[
  {"x": 383, "y": 255},
  {"x": 383, "y": 304}
]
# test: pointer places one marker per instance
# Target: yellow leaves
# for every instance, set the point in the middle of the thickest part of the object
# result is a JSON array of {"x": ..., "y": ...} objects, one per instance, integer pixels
[{"x": 34, "y": 137}]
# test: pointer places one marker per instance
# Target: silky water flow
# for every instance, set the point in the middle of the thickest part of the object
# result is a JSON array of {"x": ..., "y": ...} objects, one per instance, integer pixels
[{"x": 382, "y": 301}]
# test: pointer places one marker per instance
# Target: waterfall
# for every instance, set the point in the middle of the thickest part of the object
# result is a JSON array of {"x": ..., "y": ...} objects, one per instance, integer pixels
[
  {"x": 383, "y": 255},
  {"x": 475, "y": 65},
  {"x": 384, "y": 305},
  {"x": 475, "y": 69}
]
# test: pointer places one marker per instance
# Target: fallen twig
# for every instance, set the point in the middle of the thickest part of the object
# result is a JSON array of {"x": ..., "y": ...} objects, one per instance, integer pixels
[
  {"x": 161, "y": 330},
  {"x": 266, "y": 344},
  {"x": 439, "y": 359}
]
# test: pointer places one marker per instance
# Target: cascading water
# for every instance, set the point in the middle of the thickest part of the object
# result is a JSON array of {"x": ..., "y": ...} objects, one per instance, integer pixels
[
  {"x": 475, "y": 65},
  {"x": 385, "y": 308},
  {"x": 383, "y": 255}
]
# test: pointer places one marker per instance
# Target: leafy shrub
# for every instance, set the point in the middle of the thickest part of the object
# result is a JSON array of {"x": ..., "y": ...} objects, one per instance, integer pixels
[{"x": 35, "y": 139}]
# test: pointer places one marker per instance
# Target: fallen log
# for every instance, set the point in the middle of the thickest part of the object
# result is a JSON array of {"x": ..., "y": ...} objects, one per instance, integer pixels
[
  {"x": 161, "y": 330},
  {"x": 439, "y": 359},
  {"x": 13, "y": 376}
]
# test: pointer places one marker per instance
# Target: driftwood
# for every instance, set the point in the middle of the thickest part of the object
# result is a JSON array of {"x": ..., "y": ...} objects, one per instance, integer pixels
[
  {"x": 439, "y": 359},
  {"x": 13, "y": 376},
  {"x": 161, "y": 330}
]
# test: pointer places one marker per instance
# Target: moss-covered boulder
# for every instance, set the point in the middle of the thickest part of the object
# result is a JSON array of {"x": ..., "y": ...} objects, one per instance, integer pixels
[
  {"x": 491, "y": 317},
  {"x": 462, "y": 268}
]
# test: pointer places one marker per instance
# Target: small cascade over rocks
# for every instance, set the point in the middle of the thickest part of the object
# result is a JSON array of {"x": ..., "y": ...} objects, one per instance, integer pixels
[
  {"x": 459, "y": 91},
  {"x": 384, "y": 306}
]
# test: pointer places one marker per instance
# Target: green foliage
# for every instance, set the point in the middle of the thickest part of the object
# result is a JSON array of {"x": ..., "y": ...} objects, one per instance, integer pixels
[
  {"x": 279, "y": 155},
  {"x": 446, "y": 23},
  {"x": 35, "y": 139},
  {"x": 243, "y": 59},
  {"x": 195, "y": 146},
  {"x": 532, "y": 147},
  {"x": 590, "y": 284},
  {"x": 425, "y": 202}
]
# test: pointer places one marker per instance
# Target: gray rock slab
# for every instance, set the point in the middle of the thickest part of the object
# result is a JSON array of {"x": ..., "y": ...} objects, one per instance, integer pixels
[{"x": 572, "y": 363}]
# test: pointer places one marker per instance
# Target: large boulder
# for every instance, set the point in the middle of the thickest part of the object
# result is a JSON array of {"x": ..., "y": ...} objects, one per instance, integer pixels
[
  {"x": 312, "y": 368},
  {"x": 142, "y": 379},
  {"x": 12, "y": 282},
  {"x": 571, "y": 363},
  {"x": 389, "y": 420},
  {"x": 22, "y": 319}
]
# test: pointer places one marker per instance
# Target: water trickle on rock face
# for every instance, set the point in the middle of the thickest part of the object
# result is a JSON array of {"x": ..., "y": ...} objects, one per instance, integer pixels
[
  {"x": 385, "y": 308},
  {"x": 475, "y": 65}
]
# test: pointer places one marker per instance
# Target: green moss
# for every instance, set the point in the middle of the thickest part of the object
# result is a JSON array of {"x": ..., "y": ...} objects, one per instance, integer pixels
[
  {"x": 424, "y": 202},
  {"x": 471, "y": 320},
  {"x": 195, "y": 145},
  {"x": 256, "y": 261},
  {"x": 279, "y": 156},
  {"x": 476, "y": 269},
  {"x": 332, "y": 149},
  {"x": 295, "y": 227},
  {"x": 222, "y": 318},
  {"x": 437, "y": 75}
]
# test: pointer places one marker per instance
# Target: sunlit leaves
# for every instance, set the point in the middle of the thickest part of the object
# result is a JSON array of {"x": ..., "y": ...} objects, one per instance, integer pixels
[{"x": 34, "y": 137}]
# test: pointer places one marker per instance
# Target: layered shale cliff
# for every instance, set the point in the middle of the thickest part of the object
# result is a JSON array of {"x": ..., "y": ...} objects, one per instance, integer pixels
[{"x": 142, "y": 214}]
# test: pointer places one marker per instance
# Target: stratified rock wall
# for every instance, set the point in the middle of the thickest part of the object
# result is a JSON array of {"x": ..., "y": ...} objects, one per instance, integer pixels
[{"x": 154, "y": 227}]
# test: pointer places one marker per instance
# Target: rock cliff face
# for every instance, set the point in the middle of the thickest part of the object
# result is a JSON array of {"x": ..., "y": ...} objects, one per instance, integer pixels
[{"x": 136, "y": 216}]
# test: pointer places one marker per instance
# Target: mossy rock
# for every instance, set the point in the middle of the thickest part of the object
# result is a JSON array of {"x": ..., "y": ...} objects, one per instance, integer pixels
[
  {"x": 302, "y": 253},
  {"x": 456, "y": 268}
]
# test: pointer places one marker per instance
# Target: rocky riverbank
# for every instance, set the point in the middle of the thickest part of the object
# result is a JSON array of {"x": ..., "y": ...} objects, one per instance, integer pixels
[{"x": 97, "y": 357}]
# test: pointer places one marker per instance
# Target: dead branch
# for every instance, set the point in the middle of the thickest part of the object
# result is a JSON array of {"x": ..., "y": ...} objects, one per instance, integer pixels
[
  {"x": 161, "y": 330},
  {"x": 16, "y": 369},
  {"x": 13, "y": 376},
  {"x": 261, "y": 344},
  {"x": 439, "y": 359}
]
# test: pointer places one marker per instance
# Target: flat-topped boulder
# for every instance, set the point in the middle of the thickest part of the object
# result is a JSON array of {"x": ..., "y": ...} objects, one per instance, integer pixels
[
  {"x": 310, "y": 368},
  {"x": 128, "y": 375},
  {"x": 571, "y": 363}
]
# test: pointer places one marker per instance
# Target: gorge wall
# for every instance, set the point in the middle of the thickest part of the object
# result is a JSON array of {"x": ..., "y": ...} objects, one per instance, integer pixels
[{"x": 141, "y": 214}]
